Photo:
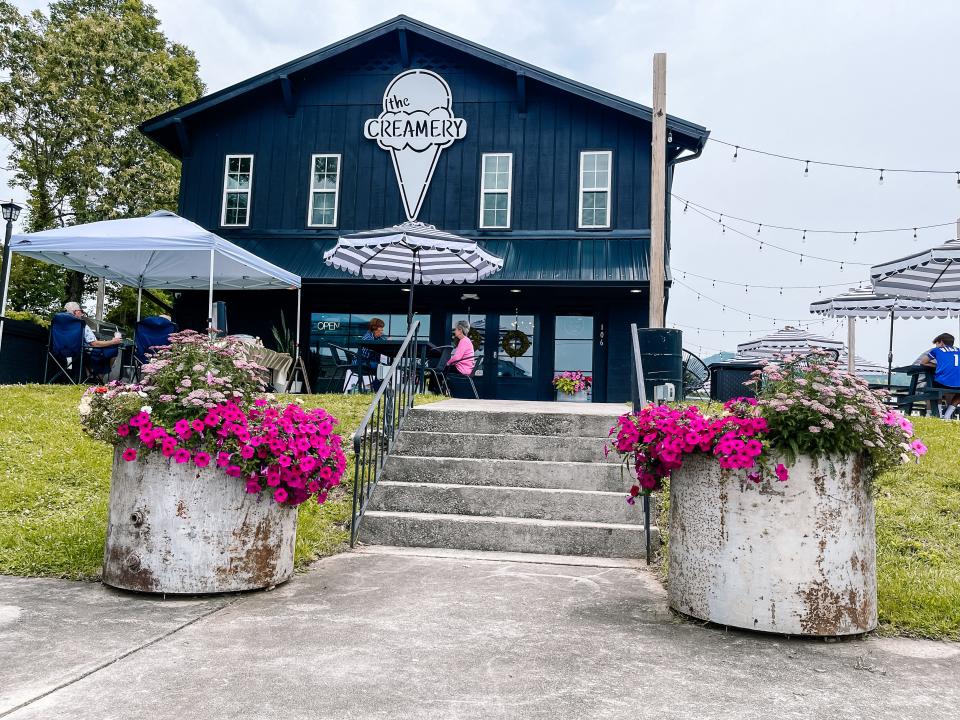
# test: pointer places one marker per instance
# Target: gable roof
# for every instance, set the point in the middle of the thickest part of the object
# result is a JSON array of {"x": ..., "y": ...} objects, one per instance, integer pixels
[{"x": 686, "y": 133}]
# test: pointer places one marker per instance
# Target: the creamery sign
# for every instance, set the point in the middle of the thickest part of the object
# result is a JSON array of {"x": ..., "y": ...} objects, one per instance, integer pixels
[{"x": 417, "y": 122}]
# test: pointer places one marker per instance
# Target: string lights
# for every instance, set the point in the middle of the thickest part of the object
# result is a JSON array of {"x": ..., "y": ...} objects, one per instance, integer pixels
[
  {"x": 752, "y": 238},
  {"x": 737, "y": 149},
  {"x": 847, "y": 284},
  {"x": 822, "y": 231},
  {"x": 748, "y": 313}
]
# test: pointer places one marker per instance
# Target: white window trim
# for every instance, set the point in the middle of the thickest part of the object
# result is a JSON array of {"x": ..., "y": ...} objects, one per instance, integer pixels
[
  {"x": 335, "y": 192},
  {"x": 608, "y": 189},
  {"x": 248, "y": 191},
  {"x": 508, "y": 191}
]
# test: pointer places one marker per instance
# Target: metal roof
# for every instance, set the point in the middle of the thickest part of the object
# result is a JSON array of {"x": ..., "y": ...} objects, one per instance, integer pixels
[
  {"x": 686, "y": 133},
  {"x": 542, "y": 261}
]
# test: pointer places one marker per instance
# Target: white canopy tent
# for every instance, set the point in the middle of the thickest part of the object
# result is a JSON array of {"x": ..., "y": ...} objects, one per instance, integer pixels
[{"x": 160, "y": 251}]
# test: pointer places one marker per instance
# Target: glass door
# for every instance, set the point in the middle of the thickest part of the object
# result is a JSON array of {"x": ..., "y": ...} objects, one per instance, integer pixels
[
  {"x": 514, "y": 357},
  {"x": 574, "y": 349}
]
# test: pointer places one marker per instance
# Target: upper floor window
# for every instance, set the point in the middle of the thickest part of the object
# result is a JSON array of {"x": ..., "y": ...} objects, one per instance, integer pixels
[
  {"x": 324, "y": 190},
  {"x": 594, "y": 211},
  {"x": 237, "y": 177},
  {"x": 496, "y": 179}
]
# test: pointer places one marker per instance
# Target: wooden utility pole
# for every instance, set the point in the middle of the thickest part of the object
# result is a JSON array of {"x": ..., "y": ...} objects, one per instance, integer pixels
[{"x": 658, "y": 191}]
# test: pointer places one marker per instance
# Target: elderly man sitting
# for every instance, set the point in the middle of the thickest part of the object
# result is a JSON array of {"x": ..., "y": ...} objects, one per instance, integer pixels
[{"x": 89, "y": 339}]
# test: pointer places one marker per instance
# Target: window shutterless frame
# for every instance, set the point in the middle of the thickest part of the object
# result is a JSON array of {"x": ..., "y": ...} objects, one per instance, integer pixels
[
  {"x": 237, "y": 186},
  {"x": 328, "y": 197},
  {"x": 496, "y": 186},
  {"x": 596, "y": 181}
]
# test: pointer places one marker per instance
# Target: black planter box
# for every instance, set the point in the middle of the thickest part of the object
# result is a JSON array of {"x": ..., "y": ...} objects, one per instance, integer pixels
[{"x": 23, "y": 352}]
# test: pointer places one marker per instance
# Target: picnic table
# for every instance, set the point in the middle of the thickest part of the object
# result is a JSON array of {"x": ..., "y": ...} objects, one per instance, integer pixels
[{"x": 927, "y": 396}]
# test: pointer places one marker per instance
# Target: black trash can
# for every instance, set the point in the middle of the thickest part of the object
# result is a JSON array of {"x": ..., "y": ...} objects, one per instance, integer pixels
[
  {"x": 727, "y": 380},
  {"x": 661, "y": 352},
  {"x": 23, "y": 352}
]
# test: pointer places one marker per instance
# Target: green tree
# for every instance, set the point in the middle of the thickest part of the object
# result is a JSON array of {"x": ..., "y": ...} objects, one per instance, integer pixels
[{"x": 81, "y": 79}]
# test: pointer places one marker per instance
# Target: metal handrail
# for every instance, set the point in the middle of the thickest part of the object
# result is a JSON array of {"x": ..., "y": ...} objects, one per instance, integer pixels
[
  {"x": 638, "y": 395},
  {"x": 378, "y": 430}
]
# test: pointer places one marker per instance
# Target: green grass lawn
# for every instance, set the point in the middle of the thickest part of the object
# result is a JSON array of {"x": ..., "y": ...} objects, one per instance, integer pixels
[{"x": 55, "y": 483}]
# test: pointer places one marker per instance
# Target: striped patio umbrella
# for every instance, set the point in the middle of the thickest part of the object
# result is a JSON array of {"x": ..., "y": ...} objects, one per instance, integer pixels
[
  {"x": 412, "y": 252},
  {"x": 863, "y": 303},
  {"x": 933, "y": 274}
]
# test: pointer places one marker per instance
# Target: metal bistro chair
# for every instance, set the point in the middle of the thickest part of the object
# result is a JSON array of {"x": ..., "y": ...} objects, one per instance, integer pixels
[
  {"x": 435, "y": 366},
  {"x": 344, "y": 359},
  {"x": 477, "y": 364}
]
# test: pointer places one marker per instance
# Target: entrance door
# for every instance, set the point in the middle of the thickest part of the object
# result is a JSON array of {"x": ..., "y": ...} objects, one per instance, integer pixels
[
  {"x": 508, "y": 344},
  {"x": 575, "y": 346}
]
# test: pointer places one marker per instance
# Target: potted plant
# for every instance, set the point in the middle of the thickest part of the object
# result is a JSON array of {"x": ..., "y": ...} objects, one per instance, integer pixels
[
  {"x": 208, "y": 471},
  {"x": 771, "y": 514},
  {"x": 284, "y": 339},
  {"x": 572, "y": 386}
]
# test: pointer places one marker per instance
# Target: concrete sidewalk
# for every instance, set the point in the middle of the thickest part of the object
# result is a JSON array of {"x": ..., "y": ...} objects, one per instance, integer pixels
[{"x": 385, "y": 633}]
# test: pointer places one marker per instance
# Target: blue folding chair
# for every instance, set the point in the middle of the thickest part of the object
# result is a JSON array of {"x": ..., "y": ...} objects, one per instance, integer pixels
[
  {"x": 65, "y": 348},
  {"x": 152, "y": 331}
]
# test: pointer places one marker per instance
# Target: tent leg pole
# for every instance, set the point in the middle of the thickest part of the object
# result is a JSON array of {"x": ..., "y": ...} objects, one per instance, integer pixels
[
  {"x": 296, "y": 347},
  {"x": 851, "y": 345},
  {"x": 890, "y": 353},
  {"x": 139, "y": 300},
  {"x": 210, "y": 294},
  {"x": 5, "y": 283}
]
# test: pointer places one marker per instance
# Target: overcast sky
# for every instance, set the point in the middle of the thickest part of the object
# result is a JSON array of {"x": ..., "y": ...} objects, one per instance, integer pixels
[{"x": 870, "y": 82}]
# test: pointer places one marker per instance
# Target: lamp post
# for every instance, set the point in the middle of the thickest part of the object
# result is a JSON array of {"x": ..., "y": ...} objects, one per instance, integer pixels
[{"x": 11, "y": 211}]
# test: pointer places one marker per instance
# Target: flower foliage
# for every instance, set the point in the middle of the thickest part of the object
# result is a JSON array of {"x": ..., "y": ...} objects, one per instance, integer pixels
[
  {"x": 199, "y": 403},
  {"x": 804, "y": 406},
  {"x": 571, "y": 382}
]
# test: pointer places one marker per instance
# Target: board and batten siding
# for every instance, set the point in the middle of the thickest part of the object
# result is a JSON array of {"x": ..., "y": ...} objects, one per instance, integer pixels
[{"x": 333, "y": 101}]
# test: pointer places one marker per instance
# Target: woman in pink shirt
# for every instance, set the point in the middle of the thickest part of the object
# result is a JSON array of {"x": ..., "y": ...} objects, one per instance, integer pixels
[{"x": 462, "y": 358}]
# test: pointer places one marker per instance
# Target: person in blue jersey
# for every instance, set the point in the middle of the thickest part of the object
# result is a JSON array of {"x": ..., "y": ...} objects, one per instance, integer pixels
[{"x": 946, "y": 359}]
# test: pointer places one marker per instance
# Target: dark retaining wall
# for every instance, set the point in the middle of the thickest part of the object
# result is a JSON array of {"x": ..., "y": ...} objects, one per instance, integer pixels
[{"x": 23, "y": 352}]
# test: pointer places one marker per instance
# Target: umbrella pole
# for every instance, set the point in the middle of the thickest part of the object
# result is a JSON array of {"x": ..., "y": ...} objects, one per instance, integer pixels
[
  {"x": 890, "y": 352},
  {"x": 413, "y": 280},
  {"x": 851, "y": 344},
  {"x": 210, "y": 294}
]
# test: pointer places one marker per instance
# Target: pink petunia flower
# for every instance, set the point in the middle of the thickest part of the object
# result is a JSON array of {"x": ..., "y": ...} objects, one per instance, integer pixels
[
  {"x": 182, "y": 455},
  {"x": 123, "y": 430},
  {"x": 129, "y": 455},
  {"x": 201, "y": 459},
  {"x": 781, "y": 472},
  {"x": 280, "y": 495}
]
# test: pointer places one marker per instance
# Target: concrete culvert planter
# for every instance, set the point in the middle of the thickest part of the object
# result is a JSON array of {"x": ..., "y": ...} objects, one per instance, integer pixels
[
  {"x": 178, "y": 529},
  {"x": 795, "y": 557}
]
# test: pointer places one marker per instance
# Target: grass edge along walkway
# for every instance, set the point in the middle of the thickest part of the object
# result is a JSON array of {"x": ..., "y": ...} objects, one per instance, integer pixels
[{"x": 55, "y": 484}]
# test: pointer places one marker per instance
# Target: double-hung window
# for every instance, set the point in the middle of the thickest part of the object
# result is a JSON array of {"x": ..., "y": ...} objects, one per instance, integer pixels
[
  {"x": 237, "y": 178},
  {"x": 324, "y": 190},
  {"x": 594, "y": 210},
  {"x": 496, "y": 180}
]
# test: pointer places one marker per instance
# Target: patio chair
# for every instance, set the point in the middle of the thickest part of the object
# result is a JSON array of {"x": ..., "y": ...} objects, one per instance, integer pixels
[
  {"x": 65, "y": 348},
  {"x": 477, "y": 364},
  {"x": 342, "y": 360},
  {"x": 435, "y": 366},
  {"x": 150, "y": 332}
]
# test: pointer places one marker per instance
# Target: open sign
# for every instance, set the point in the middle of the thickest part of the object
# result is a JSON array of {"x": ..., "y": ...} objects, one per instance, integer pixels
[{"x": 328, "y": 325}]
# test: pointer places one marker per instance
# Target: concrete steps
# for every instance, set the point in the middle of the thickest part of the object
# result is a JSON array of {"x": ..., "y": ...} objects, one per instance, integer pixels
[{"x": 507, "y": 477}]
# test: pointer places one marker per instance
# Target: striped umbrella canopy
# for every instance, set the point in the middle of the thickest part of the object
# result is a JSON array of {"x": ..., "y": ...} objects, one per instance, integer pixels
[
  {"x": 412, "y": 252},
  {"x": 864, "y": 303},
  {"x": 786, "y": 340},
  {"x": 933, "y": 274}
]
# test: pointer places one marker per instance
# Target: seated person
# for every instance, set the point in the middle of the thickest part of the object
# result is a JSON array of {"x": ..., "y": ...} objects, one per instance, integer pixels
[
  {"x": 366, "y": 360},
  {"x": 946, "y": 359},
  {"x": 461, "y": 361},
  {"x": 89, "y": 339},
  {"x": 101, "y": 362}
]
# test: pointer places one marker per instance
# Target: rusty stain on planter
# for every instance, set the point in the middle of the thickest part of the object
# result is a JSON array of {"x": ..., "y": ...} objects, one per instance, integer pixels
[{"x": 174, "y": 530}]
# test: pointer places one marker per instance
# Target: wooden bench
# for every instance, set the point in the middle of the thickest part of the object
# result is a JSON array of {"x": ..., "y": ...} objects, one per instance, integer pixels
[{"x": 928, "y": 397}]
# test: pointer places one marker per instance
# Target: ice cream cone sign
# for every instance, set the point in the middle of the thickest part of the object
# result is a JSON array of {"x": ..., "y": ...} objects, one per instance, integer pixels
[{"x": 417, "y": 122}]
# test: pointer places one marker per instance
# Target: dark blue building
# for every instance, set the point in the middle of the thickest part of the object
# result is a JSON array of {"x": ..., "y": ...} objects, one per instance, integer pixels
[{"x": 549, "y": 174}]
